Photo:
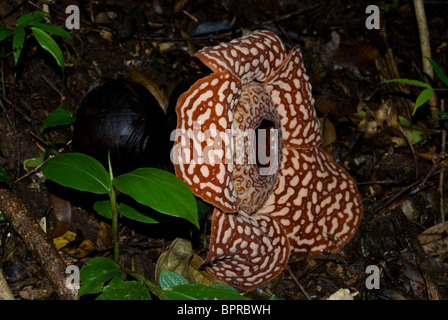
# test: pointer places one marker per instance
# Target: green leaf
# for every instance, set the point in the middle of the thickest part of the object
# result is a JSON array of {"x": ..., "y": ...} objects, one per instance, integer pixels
[
  {"x": 132, "y": 213},
  {"x": 410, "y": 82},
  {"x": 118, "y": 289},
  {"x": 31, "y": 18},
  {"x": 5, "y": 33},
  {"x": 424, "y": 96},
  {"x": 77, "y": 171},
  {"x": 95, "y": 273},
  {"x": 56, "y": 30},
  {"x": 58, "y": 117},
  {"x": 200, "y": 292},
  {"x": 3, "y": 176},
  {"x": 203, "y": 207},
  {"x": 35, "y": 162},
  {"x": 438, "y": 70},
  {"x": 50, "y": 45},
  {"x": 443, "y": 115},
  {"x": 161, "y": 191},
  {"x": 414, "y": 133},
  {"x": 17, "y": 43},
  {"x": 103, "y": 208},
  {"x": 169, "y": 279}
]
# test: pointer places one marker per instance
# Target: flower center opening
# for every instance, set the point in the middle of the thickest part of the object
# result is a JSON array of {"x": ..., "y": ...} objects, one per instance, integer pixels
[{"x": 266, "y": 146}]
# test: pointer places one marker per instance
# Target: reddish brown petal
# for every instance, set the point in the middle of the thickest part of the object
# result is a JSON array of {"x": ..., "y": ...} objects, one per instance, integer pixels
[
  {"x": 316, "y": 202},
  {"x": 202, "y": 154},
  {"x": 246, "y": 251},
  {"x": 291, "y": 92},
  {"x": 255, "y": 56},
  {"x": 253, "y": 184}
]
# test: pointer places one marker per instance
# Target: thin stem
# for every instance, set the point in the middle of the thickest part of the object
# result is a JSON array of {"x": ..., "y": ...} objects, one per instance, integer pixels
[{"x": 113, "y": 205}]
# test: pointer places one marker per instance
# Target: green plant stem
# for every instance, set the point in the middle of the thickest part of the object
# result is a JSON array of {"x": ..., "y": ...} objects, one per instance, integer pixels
[{"x": 113, "y": 204}]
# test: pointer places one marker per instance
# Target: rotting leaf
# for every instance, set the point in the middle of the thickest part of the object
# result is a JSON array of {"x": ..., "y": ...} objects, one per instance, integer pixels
[
  {"x": 200, "y": 275},
  {"x": 69, "y": 244},
  {"x": 176, "y": 259},
  {"x": 62, "y": 213},
  {"x": 150, "y": 85},
  {"x": 435, "y": 239},
  {"x": 328, "y": 131}
]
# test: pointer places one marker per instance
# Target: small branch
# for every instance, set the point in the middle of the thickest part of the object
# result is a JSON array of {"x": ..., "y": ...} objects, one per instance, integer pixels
[
  {"x": 299, "y": 285},
  {"x": 423, "y": 31},
  {"x": 442, "y": 172},
  {"x": 36, "y": 241}
]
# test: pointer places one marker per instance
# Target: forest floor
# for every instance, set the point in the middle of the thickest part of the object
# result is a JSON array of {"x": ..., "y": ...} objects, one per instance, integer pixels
[{"x": 403, "y": 187}]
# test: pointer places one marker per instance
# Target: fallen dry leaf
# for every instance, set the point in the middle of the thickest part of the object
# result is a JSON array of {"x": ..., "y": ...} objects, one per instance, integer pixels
[{"x": 435, "y": 239}]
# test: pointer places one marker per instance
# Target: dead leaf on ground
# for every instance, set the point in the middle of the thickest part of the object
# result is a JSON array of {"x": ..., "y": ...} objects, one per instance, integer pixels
[
  {"x": 150, "y": 85},
  {"x": 435, "y": 239},
  {"x": 62, "y": 216},
  {"x": 177, "y": 259}
]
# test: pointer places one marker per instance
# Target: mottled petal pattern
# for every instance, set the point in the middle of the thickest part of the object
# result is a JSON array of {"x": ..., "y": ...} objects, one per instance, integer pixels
[
  {"x": 291, "y": 92},
  {"x": 316, "y": 202},
  {"x": 255, "y": 56},
  {"x": 203, "y": 151},
  {"x": 246, "y": 251}
]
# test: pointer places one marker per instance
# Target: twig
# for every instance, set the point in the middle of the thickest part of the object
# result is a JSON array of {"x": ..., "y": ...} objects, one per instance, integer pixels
[
  {"x": 299, "y": 285},
  {"x": 36, "y": 241},
  {"x": 442, "y": 171},
  {"x": 423, "y": 31},
  {"x": 51, "y": 84},
  {"x": 408, "y": 141}
]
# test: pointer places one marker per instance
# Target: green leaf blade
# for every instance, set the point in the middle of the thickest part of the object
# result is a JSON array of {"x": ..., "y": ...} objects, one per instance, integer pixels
[
  {"x": 48, "y": 44},
  {"x": 118, "y": 289},
  {"x": 200, "y": 292},
  {"x": 3, "y": 176},
  {"x": 442, "y": 76},
  {"x": 103, "y": 208},
  {"x": 423, "y": 97},
  {"x": 130, "y": 212},
  {"x": 161, "y": 191},
  {"x": 17, "y": 43},
  {"x": 5, "y": 33},
  {"x": 169, "y": 279},
  {"x": 77, "y": 171},
  {"x": 56, "y": 30},
  {"x": 31, "y": 18},
  {"x": 58, "y": 117},
  {"x": 95, "y": 273},
  {"x": 410, "y": 82}
]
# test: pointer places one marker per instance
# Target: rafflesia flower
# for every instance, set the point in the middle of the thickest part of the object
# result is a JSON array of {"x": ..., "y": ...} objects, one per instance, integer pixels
[{"x": 248, "y": 142}]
